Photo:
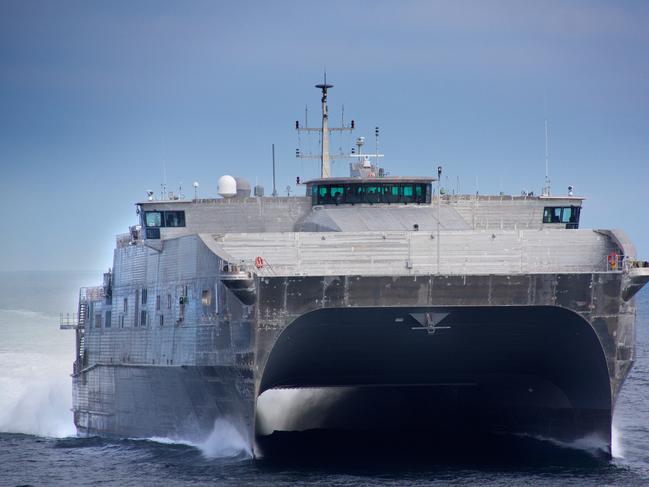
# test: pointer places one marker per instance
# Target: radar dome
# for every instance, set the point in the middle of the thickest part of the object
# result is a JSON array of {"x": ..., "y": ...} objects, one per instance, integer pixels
[{"x": 226, "y": 186}]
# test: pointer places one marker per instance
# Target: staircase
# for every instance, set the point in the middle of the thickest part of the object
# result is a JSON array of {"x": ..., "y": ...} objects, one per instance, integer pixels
[{"x": 81, "y": 327}]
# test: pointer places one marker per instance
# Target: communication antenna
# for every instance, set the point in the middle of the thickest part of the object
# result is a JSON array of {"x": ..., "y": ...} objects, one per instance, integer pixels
[
  {"x": 546, "y": 187},
  {"x": 195, "y": 190},
  {"x": 163, "y": 186},
  {"x": 274, "y": 188},
  {"x": 439, "y": 201},
  {"x": 376, "y": 140},
  {"x": 325, "y": 157}
]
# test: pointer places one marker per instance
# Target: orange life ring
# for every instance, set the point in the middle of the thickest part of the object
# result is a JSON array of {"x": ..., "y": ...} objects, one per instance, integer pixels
[{"x": 259, "y": 262}]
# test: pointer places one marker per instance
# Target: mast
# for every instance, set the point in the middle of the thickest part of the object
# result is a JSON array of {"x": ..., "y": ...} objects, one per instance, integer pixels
[
  {"x": 325, "y": 166},
  {"x": 324, "y": 157}
]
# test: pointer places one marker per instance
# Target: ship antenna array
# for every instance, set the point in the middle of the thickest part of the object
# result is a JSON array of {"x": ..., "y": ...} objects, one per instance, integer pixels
[
  {"x": 325, "y": 130},
  {"x": 546, "y": 187},
  {"x": 274, "y": 187}
]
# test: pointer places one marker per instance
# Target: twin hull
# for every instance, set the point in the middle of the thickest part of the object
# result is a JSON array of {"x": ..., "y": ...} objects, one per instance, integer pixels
[{"x": 539, "y": 354}]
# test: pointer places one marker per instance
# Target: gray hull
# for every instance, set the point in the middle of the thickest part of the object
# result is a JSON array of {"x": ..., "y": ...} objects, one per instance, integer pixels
[{"x": 538, "y": 355}]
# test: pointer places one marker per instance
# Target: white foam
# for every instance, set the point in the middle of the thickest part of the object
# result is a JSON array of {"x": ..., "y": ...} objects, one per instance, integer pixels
[
  {"x": 36, "y": 394},
  {"x": 592, "y": 444},
  {"x": 617, "y": 449},
  {"x": 224, "y": 441},
  {"x": 296, "y": 409}
]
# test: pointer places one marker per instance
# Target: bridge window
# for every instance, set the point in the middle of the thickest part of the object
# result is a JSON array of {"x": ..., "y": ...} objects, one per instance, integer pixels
[
  {"x": 327, "y": 194},
  {"x": 568, "y": 215}
]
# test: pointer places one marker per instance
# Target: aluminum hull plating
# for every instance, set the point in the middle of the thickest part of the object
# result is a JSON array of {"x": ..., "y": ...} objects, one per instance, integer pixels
[{"x": 542, "y": 354}]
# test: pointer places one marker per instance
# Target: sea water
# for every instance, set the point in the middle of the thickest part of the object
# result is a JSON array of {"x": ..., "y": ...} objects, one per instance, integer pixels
[{"x": 38, "y": 445}]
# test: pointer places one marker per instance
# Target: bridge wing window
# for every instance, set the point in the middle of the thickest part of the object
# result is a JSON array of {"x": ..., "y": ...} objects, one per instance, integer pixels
[
  {"x": 153, "y": 218},
  {"x": 568, "y": 215},
  {"x": 174, "y": 218}
]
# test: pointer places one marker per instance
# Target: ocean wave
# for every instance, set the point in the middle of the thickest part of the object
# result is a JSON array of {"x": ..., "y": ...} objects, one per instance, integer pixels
[
  {"x": 36, "y": 394},
  {"x": 591, "y": 444},
  {"x": 224, "y": 441},
  {"x": 28, "y": 313}
]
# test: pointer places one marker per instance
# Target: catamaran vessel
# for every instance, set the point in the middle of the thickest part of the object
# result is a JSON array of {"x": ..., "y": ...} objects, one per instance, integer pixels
[{"x": 445, "y": 312}]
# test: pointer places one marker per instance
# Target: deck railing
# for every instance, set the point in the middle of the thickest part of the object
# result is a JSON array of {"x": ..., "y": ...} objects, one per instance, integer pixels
[{"x": 95, "y": 293}]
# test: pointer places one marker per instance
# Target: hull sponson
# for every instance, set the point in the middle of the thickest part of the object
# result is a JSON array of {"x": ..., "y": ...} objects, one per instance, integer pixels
[{"x": 174, "y": 401}]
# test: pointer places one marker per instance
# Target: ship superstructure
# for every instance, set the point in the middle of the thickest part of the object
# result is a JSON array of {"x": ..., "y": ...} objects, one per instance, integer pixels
[{"x": 495, "y": 313}]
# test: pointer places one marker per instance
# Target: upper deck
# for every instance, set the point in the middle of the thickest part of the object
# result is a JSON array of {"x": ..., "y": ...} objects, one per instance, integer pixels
[{"x": 356, "y": 205}]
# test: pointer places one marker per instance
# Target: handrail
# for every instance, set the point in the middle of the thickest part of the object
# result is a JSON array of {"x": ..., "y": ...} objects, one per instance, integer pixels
[
  {"x": 94, "y": 293},
  {"x": 69, "y": 321}
]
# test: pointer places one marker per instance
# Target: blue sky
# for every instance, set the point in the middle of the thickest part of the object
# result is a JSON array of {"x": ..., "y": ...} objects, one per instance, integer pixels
[{"x": 96, "y": 98}]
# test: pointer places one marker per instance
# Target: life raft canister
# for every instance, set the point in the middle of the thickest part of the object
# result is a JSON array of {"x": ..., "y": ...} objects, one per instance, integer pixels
[{"x": 259, "y": 262}]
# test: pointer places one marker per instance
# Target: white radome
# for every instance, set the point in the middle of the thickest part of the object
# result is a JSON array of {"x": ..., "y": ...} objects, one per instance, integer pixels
[{"x": 226, "y": 186}]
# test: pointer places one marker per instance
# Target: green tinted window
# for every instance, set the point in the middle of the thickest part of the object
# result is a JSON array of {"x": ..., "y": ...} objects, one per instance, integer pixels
[
  {"x": 547, "y": 215},
  {"x": 153, "y": 218},
  {"x": 323, "y": 191},
  {"x": 407, "y": 190},
  {"x": 174, "y": 218}
]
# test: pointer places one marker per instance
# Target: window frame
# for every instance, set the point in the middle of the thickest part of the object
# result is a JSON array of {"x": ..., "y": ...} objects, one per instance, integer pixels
[
  {"x": 164, "y": 218},
  {"x": 555, "y": 215}
]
